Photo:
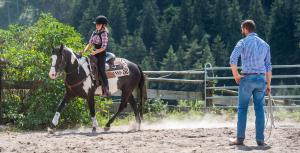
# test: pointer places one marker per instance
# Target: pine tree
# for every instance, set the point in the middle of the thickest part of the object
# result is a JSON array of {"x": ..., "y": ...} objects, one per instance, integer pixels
[
  {"x": 257, "y": 13},
  {"x": 296, "y": 14},
  {"x": 221, "y": 21},
  {"x": 193, "y": 53},
  {"x": 149, "y": 23},
  {"x": 219, "y": 51},
  {"x": 118, "y": 20},
  {"x": 134, "y": 9},
  {"x": 203, "y": 15},
  {"x": 133, "y": 48},
  {"x": 185, "y": 16},
  {"x": 162, "y": 42},
  {"x": 234, "y": 24},
  {"x": 86, "y": 24},
  {"x": 170, "y": 62},
  {"x": 207, "y": 56},
  {"x": 281, "y": 35},
  {"x": 149, "y": 63}
]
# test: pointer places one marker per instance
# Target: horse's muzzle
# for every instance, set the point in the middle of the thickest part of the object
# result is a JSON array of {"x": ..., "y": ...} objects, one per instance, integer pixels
[{"x": 52, "y": 73}]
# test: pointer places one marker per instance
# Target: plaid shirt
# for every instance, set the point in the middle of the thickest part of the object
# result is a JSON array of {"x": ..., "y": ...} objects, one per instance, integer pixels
[
  {"x": 255, "y": 55},
  {"x": 95, "y": 39}
]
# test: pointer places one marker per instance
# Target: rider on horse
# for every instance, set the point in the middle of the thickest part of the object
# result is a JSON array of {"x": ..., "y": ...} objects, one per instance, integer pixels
[{"x": 99, "y": 40}]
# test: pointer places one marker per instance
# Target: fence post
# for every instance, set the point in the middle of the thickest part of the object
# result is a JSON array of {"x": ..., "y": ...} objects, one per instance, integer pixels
[
  {"x": 2, "y": 64},
  {"x": 207, "y": 102}
]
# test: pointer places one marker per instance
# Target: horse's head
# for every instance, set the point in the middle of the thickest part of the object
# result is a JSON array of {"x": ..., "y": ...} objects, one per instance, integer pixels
[{"x": 57, "y": 61}]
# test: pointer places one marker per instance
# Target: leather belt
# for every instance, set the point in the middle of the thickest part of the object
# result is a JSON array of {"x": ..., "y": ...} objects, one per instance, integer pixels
[{"x": 253, "y": 73}]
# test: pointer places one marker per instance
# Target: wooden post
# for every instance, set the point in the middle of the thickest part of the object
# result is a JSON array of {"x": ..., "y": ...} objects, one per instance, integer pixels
[
  {"x": 209, "y": 93},
  {"x": 2, "y": 64}
]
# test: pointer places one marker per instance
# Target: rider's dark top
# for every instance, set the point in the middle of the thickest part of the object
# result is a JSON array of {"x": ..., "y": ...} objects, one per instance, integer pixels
[{"x": 99, "y": 39}]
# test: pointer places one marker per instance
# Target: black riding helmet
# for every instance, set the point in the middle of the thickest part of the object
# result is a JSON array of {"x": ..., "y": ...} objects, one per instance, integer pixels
[{"x": 101, "y": 20}]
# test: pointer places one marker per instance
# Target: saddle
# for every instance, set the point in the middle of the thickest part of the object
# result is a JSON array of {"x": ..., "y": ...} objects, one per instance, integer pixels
[{"x": 114, "y": 67}]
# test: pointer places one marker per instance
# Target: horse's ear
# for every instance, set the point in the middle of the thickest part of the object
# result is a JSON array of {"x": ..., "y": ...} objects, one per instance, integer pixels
[{"x": 61, "y": 47}]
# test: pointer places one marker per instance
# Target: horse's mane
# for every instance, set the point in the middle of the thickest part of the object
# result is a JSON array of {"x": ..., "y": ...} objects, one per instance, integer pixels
[{"x": 70, "y": 50}]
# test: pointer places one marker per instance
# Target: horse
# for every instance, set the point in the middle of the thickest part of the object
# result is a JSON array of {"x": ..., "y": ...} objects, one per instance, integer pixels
[{"x": 79, "y": 82}]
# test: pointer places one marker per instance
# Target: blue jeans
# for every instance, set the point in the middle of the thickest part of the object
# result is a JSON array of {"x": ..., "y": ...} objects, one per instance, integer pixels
[{"x": 251, "y": 85}]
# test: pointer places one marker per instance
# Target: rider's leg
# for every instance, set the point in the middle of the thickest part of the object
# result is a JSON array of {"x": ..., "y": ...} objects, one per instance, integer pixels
[{"x": 103, "y": 78}]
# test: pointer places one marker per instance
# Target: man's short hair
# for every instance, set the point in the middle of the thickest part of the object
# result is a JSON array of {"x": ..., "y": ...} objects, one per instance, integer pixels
[{"x": 249, "y": 25}]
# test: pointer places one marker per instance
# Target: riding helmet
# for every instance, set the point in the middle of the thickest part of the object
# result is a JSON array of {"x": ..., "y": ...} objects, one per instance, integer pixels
[{"x": 101, "y": 19}]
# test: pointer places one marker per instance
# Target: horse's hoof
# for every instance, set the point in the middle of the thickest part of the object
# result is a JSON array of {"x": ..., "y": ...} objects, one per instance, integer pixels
[
  {"x": 50, "y": 130},
  {"x": 94, "y": 130},
  {"x": 106, "y": 129}
]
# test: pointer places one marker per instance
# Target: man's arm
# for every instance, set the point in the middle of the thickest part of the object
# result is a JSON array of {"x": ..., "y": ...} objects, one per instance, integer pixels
[
  {"x": 268, "y": 66},
  {"x": 235, "y": 73},
  {"x": 234, "y": 60},
  {"x": 269, "y": 78}
]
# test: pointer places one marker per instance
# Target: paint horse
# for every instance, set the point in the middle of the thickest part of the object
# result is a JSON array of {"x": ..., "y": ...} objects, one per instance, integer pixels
[{"x": 79, "y": 82}]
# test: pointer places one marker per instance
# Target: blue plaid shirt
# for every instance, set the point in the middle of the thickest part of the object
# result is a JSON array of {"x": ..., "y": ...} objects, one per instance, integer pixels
[{"x": 255, "y": 54}]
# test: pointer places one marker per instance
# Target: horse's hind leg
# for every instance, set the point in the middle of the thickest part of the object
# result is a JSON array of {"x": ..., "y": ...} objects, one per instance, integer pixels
[
  {"x": 136, "y": 111},
  {"x": 57, "y": 114},
  {"x": 91, "y": 103},
  {"x": 124, "y": 99}
]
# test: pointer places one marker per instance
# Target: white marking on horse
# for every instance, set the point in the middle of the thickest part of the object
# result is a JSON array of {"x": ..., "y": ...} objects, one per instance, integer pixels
[
  {"x": 52, "y": 72},
  {"x": 84, "y": 65},
  {"x": 95, "y": 122},
  {"x": 56, "y": 118},
  {"x": 73, "y": 56},
  {"x": 87, "y": 84}
]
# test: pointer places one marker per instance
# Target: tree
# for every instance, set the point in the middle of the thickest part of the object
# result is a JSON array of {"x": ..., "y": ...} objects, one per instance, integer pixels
[
  {"x": 233, "y": 29},
  {"x": 257, "y": 13},
  {"x": 118, "y": 20},
  {"x": 86, "y": 24},
  {"x": 133, "y": 48},
  {"x": 221, "y": 21},
  {"x": 162, "y": 42},
  {"x": 193, "y": 53},
  {"x": 186, "y": 17},
  {"x": 204, "y": 13},
  {"x": 281, "y": 35},
  {"x": 149, "y": 63},
  {"x": 219, "y": 51},
  {"x": 296, "y": 13},
  {"x": 149, "y": 23},
  {"x": 170, "y": 62},
  {"x": 207, "y": 56}
]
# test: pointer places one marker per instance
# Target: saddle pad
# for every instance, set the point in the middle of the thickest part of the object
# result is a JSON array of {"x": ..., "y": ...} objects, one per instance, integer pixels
[{"x": 118, "y": 69}]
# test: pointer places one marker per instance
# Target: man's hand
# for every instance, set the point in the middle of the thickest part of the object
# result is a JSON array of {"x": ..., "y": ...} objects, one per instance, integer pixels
[
  {"x": 268, "y": 90},
  {"x": 237, "y": 78},
  {"x": 268, "y": 79},
  {"x": 235, "y": 73}
]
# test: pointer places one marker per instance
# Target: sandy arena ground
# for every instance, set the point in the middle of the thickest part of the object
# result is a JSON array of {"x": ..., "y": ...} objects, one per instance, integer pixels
[{"x": 164, "y": 137}]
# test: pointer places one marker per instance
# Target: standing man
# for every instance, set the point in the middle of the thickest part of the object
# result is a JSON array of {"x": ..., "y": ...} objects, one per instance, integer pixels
[{"x": 255, "y": 79}]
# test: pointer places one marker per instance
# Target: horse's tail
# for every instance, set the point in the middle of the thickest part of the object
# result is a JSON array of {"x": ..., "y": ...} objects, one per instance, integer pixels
[{"x": 142, "y": 91}]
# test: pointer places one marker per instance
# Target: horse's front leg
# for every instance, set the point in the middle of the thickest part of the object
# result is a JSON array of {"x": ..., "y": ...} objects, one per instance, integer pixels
[
  {"x": 91, "y": 103},
  {"x": 56, "y": 117}
]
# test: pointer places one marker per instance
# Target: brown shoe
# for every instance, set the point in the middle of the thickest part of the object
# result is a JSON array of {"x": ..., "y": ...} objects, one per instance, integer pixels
[{"x": 236, "y": 142}]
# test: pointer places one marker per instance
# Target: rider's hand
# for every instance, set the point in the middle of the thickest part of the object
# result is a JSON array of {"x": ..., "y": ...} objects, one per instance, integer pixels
[
  {"x": 93, "y": 53},
  {"x": 80, "y": 53}
]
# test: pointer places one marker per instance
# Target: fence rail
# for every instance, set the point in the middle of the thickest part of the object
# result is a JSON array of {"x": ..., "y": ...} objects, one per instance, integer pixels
[{"x": 210, "y": 70}]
